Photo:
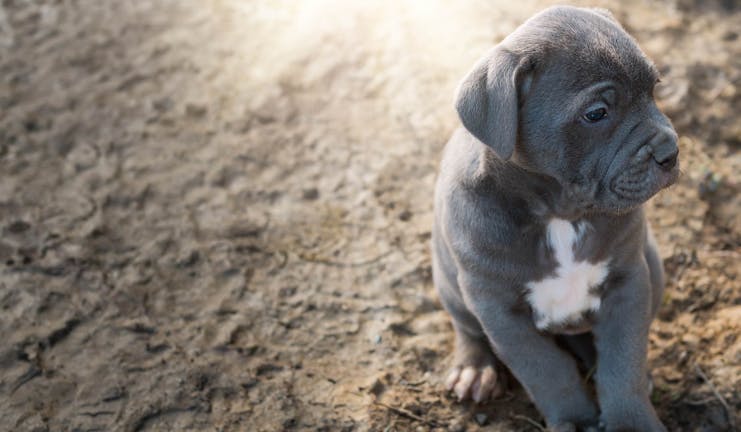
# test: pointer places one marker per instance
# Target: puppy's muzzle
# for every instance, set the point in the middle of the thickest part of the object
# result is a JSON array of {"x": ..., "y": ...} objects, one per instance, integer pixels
[{"x": 653, "y": 167}]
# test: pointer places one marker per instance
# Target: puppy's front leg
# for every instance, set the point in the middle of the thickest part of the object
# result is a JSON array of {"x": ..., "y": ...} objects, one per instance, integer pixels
[
  {"x": 549, "y": 375},
  {"x": 621, "y": 339}
]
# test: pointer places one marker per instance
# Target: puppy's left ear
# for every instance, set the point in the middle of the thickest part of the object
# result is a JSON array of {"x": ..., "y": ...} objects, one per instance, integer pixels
[{"x": 487, "y": 100}]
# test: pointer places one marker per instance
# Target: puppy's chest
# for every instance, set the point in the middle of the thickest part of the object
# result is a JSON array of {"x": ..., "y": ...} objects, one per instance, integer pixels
[{"x": 562, "y": 299}]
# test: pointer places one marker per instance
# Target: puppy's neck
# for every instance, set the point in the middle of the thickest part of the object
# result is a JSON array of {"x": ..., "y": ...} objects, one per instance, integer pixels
[{"x": 544, "y": 195}]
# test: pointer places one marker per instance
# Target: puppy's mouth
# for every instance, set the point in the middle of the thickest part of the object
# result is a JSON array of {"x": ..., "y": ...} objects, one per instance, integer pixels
[
  {"x": 642, "y": 178},
  {"x": 639, "y": 179}
]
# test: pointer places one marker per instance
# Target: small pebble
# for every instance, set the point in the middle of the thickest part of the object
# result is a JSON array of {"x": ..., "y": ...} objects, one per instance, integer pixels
[
  {"x": 457, "y": 426},
  {"x": 195, "y": 110},
  {"x": 311, "y": 194},
  {"x": 730, "y": 36},
  {"x": 481, "y": 418},
  {"x": 377, "y": 388},
  {"x": 18, "y": 227}
]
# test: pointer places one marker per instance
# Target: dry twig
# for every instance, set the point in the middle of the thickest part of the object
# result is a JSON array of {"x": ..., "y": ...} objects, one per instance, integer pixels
[
  {"x": 332, "y": 263},
  {"x": 729, "y": 414},
  {"x": 408, "y": 414},
  {"x": 529, "y": 420}
]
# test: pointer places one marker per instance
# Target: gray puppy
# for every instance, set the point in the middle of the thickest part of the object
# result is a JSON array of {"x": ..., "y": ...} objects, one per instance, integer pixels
[{"x": 542, "y": 253}]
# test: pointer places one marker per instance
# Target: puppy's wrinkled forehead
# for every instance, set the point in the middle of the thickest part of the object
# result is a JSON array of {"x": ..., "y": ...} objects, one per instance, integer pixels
[{"x": 604, "y": 49}]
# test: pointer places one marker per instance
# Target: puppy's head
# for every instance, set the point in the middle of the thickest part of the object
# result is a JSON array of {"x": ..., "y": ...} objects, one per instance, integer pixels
[{"x": 569, "y": 95}]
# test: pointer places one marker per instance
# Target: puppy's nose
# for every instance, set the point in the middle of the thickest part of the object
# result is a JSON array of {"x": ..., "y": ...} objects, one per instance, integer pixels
[
  {"x": 668, "y": 161},
  {"x": 664, "y": 150}
]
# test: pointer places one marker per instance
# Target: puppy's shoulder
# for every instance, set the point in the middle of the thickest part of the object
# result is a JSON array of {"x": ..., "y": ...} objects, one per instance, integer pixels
[
  {"x": 460, "y": 160},
  {"x": 467, "y": 208}
]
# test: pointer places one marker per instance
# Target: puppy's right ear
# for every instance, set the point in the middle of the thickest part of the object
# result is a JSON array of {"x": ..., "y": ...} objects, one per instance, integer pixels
[{"x": 487, "y": 101}]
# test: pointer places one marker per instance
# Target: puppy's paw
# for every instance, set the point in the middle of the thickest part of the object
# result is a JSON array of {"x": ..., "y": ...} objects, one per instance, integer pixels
[{"x": 477, "y": 383}]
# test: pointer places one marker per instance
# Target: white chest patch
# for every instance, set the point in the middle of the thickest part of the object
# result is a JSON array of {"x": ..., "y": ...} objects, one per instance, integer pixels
[{"x": 564, "y": 297}]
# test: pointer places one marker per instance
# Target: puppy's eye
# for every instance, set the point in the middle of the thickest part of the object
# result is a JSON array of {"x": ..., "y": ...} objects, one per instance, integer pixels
[{"x": 595, "y": 115}]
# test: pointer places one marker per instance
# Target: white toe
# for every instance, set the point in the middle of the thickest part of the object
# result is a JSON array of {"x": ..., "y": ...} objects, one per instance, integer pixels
[
  {"x": 464, "y": 382},
  {"x": 487, "y": 384},
  {"x": 452, "y": 378}
]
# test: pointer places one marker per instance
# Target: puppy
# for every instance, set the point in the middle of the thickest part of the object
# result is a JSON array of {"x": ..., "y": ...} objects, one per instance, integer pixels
[{"x": 541, "y": 251}]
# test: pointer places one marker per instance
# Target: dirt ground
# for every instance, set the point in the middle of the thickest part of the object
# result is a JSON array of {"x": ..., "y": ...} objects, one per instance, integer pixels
[{"x": 215, "y": 214}]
